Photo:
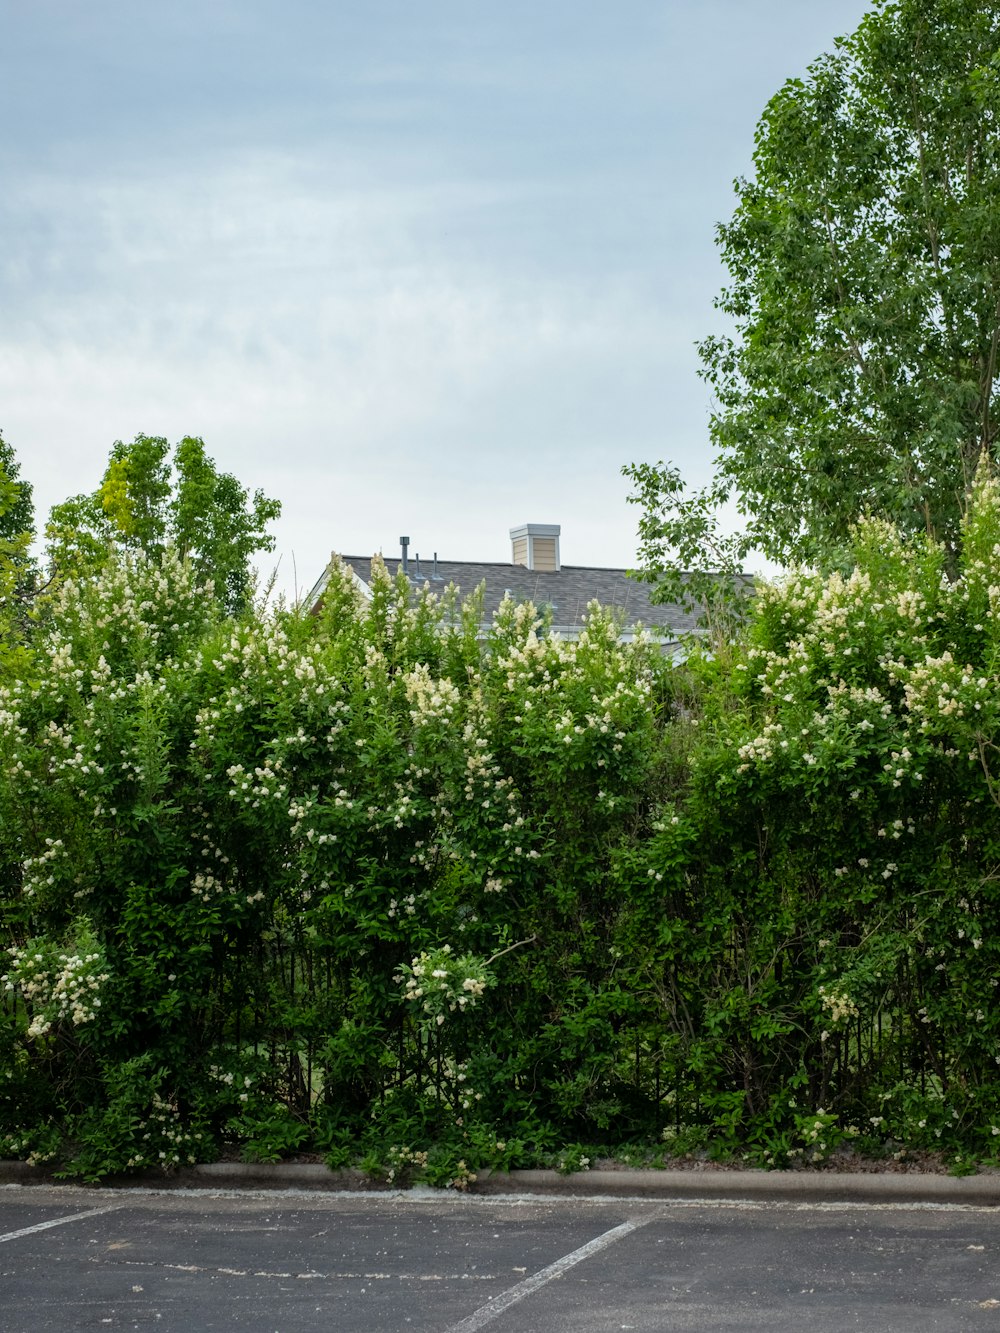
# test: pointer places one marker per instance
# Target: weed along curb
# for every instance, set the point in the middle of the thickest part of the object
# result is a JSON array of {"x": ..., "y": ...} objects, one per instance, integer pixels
[{"x": 739, "y": 1186}]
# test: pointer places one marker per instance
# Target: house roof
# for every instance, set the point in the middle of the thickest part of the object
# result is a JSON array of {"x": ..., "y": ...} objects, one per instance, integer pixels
[{"x": 567, "y": 591}]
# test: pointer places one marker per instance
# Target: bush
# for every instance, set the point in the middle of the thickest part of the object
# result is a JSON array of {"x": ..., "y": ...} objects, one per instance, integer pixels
[{"x": 361, "y": 883}]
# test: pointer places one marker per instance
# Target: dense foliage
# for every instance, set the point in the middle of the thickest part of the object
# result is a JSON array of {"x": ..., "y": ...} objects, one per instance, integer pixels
[
  {"x": 864, "y": 257},
  {"x": 856, "y": 371},
  {"x": 17, "y": 574},
  {"x": 363, "y": 883},
  {"x": 17, "y": 516},
  {"x": 149, "y": 499}
]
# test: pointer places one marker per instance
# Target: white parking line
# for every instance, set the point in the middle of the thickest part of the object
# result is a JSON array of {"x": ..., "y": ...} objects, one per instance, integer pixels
[
  {"x": 487, "y": 1313},
  {"x": 57, "y": 1222}
]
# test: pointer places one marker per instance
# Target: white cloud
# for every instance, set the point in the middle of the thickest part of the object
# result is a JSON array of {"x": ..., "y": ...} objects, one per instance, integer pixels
[
  {"x": 329, "y": 349},
  {"x": 435, "y": 271}
]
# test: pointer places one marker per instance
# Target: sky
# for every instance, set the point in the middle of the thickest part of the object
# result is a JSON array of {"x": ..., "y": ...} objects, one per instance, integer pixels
[{"x": 432, "y": 270}]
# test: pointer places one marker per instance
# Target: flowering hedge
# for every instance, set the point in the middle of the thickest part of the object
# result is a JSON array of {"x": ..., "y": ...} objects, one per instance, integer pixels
[{"x": 364, "y": 884}]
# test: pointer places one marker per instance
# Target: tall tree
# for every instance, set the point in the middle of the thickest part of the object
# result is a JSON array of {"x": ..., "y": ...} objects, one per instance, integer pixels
[
  {"x": 148, "y": 498},
  {"x": 864, "y": 256},
  {"x": 16, "y": 570},
  {"x": 17, "y": 514},
  {"x": 216, "y": 523}
]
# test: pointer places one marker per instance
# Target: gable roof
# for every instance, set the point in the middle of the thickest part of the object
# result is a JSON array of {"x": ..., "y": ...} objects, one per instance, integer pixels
[{"x": 567, "y": 591}]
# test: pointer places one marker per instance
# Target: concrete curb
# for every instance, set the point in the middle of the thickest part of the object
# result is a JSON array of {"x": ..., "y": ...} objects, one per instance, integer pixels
[
  {"x": 764, "y": 1186},
  {"x": 739, "y": 1186}
]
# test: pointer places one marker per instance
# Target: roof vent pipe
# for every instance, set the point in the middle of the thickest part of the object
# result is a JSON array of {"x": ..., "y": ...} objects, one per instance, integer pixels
[{"x": 404, "y": 543}]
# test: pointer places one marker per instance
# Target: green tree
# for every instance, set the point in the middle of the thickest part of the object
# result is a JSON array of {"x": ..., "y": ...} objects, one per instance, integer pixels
[
  {"x": 148, "y": 499},
  {"x": 17, "y": 514},
  {"x": 864, "y": 255},
  {"x": 216, "y": 523},
  {"x": 682, "y": 551},
  {"x": 16, "y": 569},
  {"x": 135, "y": 493}
]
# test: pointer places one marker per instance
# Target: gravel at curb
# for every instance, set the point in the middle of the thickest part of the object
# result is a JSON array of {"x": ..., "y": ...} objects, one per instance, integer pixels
[{"x": 764, "y": 1186}]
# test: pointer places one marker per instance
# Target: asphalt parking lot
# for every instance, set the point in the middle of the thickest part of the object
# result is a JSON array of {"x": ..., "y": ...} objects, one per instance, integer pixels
[{"x": 269, "y": 1262}]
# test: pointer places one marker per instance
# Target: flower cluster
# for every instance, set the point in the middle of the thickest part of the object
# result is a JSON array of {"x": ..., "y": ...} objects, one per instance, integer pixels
[
  {"x": 162, "y": 1141},
  {"x": 239, "y": 1084},
  {"x": 58, "y": 985},
  {"x": 401, "y": 1161},
  {"x": 837, "y": 1003},
  {"x": 438, "y": 981},
  {"x": 430, "y": 700}
]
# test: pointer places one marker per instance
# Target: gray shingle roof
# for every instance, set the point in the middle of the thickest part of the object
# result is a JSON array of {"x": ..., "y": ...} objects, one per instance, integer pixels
[{"x": 567, "y": 591}]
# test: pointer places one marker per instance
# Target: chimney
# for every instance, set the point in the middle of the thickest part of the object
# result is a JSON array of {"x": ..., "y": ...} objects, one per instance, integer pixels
[
  {"x": 536, "y": 546},
  {"x": 404, "y": 543}
]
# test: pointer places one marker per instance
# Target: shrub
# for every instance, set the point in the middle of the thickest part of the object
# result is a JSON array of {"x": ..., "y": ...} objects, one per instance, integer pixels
[{"x": 363, "y": 883}]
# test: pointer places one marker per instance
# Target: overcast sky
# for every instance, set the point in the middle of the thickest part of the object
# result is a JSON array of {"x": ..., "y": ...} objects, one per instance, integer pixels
[{"x": 430, "y": 269}]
